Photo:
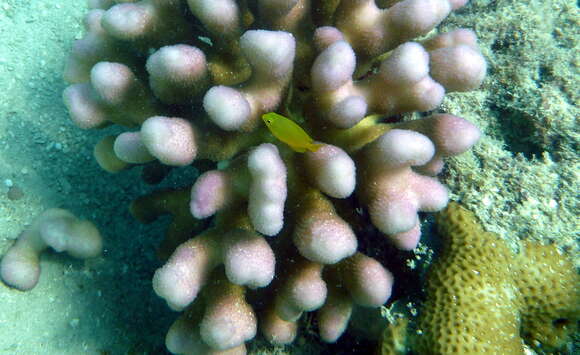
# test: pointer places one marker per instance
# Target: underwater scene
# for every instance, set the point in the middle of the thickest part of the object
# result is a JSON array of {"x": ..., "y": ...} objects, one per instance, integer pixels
[{"x": 228, "y": 177}]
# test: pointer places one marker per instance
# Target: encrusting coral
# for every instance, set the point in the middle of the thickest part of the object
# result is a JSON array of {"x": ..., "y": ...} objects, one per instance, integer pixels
[
  {"x": 190, "y": 80},
  {"x": 483, "y": 299}
]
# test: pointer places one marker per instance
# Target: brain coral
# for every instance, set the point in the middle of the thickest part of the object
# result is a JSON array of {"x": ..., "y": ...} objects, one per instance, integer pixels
[
  {"x": 483, "y": 299},
  {"x": 190, "y": 81}
]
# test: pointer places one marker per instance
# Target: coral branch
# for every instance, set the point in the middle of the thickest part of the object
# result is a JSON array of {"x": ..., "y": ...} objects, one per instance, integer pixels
[{"x": 55, "y": 228}]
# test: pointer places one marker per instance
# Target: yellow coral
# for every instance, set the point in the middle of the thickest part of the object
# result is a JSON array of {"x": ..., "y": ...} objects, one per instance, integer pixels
[
  {"x": 483, "y": 299},
  {"x": 394, "y": 338}
]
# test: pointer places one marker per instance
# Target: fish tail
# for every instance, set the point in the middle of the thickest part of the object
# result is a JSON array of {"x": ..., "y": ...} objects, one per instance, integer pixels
[{"x": 313, "y": 147}]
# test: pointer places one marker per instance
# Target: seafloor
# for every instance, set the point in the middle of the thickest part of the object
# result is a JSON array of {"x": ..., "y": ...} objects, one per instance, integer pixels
[{"x": 521, "y": 179}]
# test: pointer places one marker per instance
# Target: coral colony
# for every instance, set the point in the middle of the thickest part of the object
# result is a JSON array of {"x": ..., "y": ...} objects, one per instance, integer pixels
[
  {"x": 193, "y": 82},
  {"x": 484, "y": 299}
]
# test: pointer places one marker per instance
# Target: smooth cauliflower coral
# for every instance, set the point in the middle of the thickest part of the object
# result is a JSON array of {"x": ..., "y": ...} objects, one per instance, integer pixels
[{"x": 190, "y": 81}]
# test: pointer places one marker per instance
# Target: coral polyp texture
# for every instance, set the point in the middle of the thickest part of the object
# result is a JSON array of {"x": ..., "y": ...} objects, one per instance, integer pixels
[
  {"x": 484, "y": 299},
  {"x": 190, "y": 82}
]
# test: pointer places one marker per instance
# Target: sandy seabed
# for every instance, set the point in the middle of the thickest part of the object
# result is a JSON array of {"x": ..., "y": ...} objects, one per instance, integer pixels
[
  {"x": 101, "y": 306},
  {"x": 520, "y": 179}
]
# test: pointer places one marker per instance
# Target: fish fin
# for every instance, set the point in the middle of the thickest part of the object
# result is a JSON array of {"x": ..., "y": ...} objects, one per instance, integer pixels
[
  {"x": 298, "y": 149},
  {"x": 313, "y": 147}
]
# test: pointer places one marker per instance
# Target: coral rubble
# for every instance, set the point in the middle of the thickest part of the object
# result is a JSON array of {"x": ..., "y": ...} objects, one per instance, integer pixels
[{"x": 55, "y": 228}]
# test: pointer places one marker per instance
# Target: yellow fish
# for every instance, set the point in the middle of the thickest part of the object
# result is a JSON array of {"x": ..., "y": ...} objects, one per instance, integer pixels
[{"x": 290, "y": 133}]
